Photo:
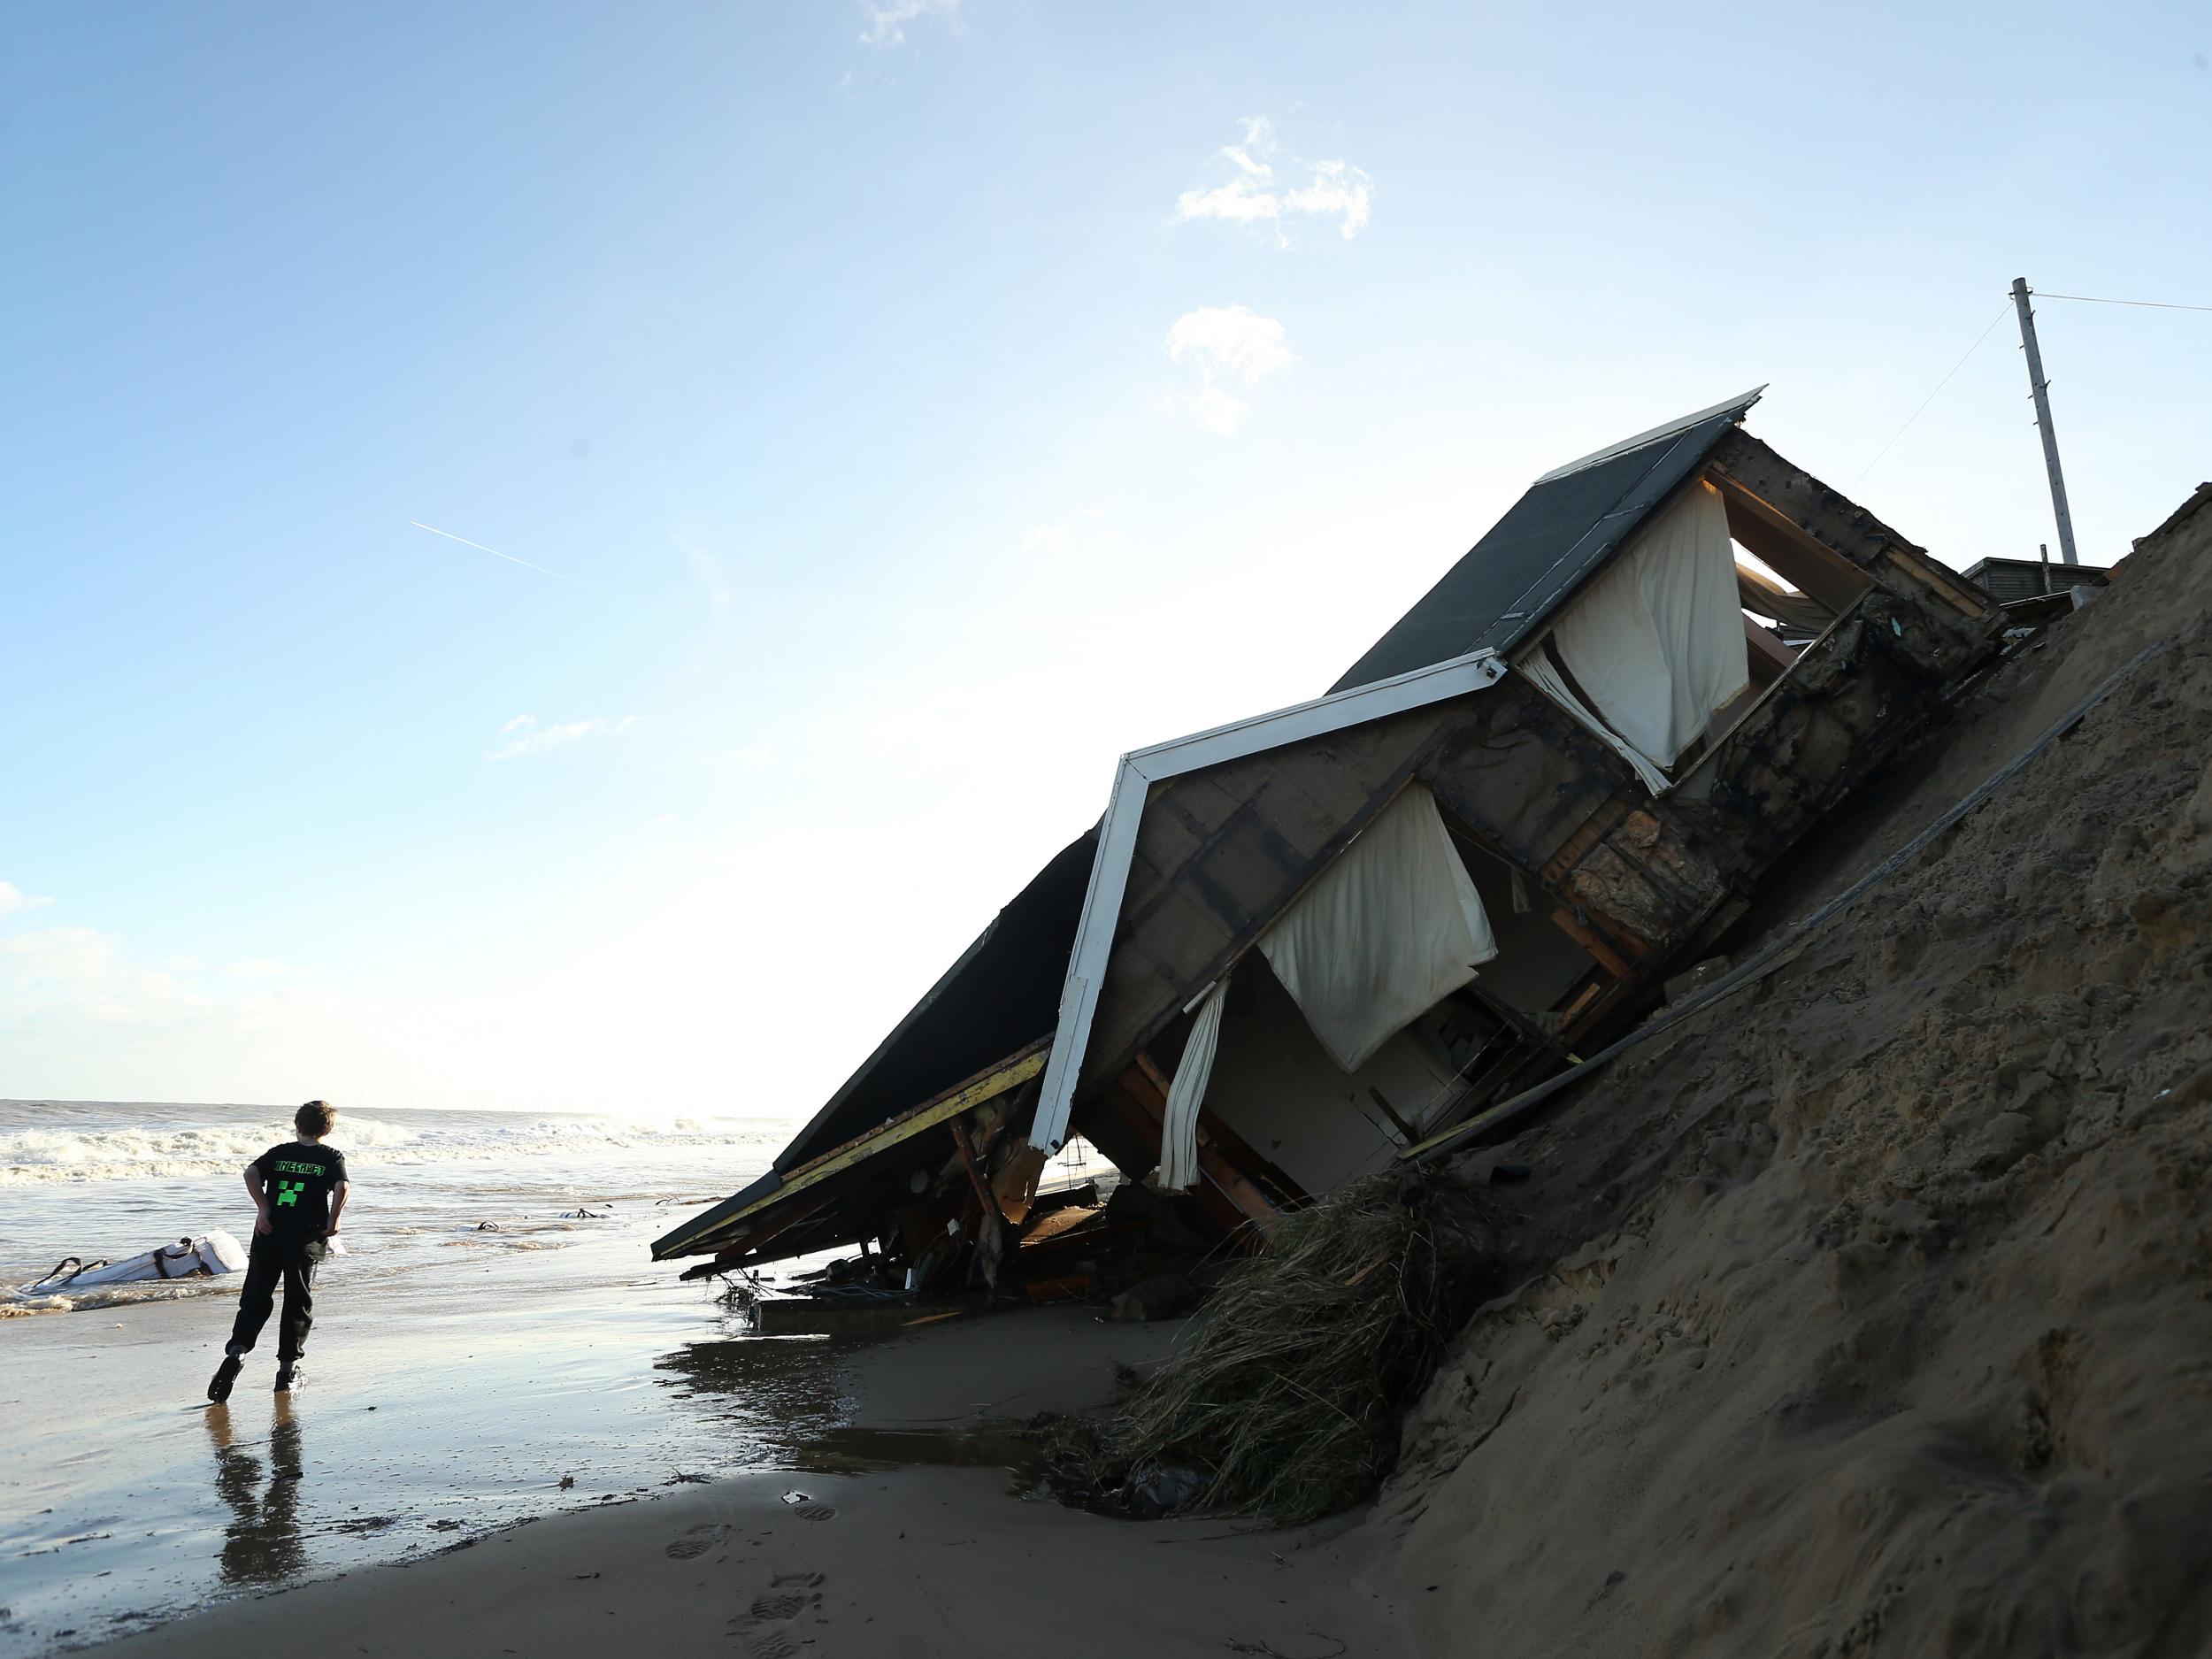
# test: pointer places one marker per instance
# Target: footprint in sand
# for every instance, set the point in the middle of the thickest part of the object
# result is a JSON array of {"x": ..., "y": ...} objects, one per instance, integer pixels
[
  {"x": 763, "y": 1628},
  {"x": 815, "y": 1512},
  {"x": 697, "y": 1543}
]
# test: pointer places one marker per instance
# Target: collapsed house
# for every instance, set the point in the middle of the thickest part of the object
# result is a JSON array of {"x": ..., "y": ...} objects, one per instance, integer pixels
[{"x": 1297, "y": 947}]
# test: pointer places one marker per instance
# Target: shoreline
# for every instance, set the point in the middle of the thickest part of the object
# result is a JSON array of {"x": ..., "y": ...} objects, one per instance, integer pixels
[{"x": 915, "y": 1559}]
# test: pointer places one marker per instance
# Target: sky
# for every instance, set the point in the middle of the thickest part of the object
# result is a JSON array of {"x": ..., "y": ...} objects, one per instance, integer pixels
[{"x": 568, "y": 557}]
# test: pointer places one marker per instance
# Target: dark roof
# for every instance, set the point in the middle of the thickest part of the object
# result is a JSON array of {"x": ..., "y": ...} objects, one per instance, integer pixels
[
  {"x": 1004, "y": 992},
  {"x": 1556, "y": 535},
  {"x": 1001, "y": 994},
  {"x": 2006, "y": 580}
]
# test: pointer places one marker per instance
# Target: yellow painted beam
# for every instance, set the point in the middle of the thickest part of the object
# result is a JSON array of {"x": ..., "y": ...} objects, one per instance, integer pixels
[{"x": 984, "y": 1086}]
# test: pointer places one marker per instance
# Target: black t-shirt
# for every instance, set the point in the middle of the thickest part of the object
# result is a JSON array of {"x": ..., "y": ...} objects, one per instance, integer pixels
[{"x": 298, "y": 1177}]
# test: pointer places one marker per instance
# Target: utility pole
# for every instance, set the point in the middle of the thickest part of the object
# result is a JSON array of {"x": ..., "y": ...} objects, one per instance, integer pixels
[{"x": 2041, "y": 388}]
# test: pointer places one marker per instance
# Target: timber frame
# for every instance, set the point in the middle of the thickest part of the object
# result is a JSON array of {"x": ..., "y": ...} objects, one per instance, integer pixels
[
  {"x": 1207, "y": 838},
  {"x": 1637, "y": 880}
]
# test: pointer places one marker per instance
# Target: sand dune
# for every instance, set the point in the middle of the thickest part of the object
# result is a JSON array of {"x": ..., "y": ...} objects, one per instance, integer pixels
[{"x": 1870, "y": 1312}]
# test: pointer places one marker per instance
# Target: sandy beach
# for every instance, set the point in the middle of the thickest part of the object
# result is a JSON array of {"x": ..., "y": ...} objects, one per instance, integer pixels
[{"x": 850, "y": 1552}]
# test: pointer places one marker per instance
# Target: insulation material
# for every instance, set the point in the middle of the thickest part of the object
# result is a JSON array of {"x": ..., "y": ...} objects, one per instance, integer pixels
[
  {"x": 1541, "y": 668},
  {"x": 1179, "y": 1127},
  {"x": 1388, "y": 931},
  {"x": 1656, "y": 640}
]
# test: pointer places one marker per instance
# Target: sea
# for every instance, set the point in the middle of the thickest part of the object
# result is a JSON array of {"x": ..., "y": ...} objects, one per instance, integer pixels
[{"x": 494, "y": 1344}]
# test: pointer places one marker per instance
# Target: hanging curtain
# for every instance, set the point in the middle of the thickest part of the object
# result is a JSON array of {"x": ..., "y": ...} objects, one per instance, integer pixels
[
  {"x": 1539, "y": 667},
  {"x": 1179, "y": 1128},
  {"x": 1389, "y": 930},
  {"x": 1657, "y": 640}
]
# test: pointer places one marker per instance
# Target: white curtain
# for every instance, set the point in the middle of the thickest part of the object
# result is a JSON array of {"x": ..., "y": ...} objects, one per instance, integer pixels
[
  {"x": 1179, "y": 1130},
  {"x": 1657, "y": 641},
  {"x": 1539, "y": 668},
  {"x": 1390, "y": 929}
]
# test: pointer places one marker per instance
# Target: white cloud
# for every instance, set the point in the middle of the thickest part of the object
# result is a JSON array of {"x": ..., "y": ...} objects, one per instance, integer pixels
[
  {"x": 1224, "y": 342},
  {"x": 80, "y": 971},
  {"x": 1336, "y": 190},
  {"x": 1051, "y": 540},
  {"x": 1233, "y": 338},
  {"x": 888, "y": 21},
  {"x": 13, "y": 899},
  {"x": 530, "y": 738}
]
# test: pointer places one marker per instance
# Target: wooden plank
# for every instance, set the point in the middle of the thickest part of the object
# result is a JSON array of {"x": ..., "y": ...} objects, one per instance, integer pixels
[
  {"x": 983, "y": 1193},
  {"x": 1598, "y": 945},
  {"x": 1767, "y": 647},
  {"x": 1009, "y": 1073},
  {"x": 1767, "y": 533},
  {"x": 1924, "y": 572},
  {"x": 1143, "y": 1087},
  {"x": 1792, "y": 499}
]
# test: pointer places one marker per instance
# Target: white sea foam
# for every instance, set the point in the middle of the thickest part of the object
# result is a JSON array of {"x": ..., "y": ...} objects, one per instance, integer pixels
[{"x": 157, "y": 1151}]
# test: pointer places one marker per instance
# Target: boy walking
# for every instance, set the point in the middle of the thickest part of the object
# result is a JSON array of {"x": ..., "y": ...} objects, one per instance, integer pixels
[{"x": 298, "y": 1191}]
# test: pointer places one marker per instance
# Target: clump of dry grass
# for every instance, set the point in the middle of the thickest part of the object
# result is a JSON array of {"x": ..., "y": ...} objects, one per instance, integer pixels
[{"x": 1283, "y": 1399}]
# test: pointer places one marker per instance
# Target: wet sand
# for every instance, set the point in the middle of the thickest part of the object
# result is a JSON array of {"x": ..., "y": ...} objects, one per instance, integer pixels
[
  {"x": 436, "y": 1409},
  {"x": 854, "y": 1556},
  {"x": 919, "y": 1563}
]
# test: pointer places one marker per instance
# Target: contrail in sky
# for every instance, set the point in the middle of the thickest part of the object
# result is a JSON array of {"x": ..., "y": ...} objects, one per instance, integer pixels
[{"x": 510, "y": 557}]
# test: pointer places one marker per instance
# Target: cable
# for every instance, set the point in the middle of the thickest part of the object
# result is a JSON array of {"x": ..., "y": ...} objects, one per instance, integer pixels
[
  {"x": 1931, "y": 397},
  {"x": 2091, "y": 299}
]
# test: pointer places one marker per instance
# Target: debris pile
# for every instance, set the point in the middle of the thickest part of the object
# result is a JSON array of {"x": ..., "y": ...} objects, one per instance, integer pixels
[{"x": 1285, "y": 1400}]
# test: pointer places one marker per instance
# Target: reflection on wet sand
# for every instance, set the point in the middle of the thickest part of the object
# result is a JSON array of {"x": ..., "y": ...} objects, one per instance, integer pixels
[
  {"x": 782, "y": 1391},
  {"x": 263, "y": 1544}
]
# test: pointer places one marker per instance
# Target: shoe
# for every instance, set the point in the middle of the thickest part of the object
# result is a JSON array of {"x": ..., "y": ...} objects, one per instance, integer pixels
[
  {"x": 226, "y": 1374},
  {"x": 289, "y": 1379}
]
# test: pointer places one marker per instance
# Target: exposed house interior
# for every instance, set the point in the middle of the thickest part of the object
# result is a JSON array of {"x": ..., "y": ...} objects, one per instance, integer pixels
[{"x": 1298, "y": 947}]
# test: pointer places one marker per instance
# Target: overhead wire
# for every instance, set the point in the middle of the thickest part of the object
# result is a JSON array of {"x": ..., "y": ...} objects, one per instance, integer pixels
[
  {"x": 1931, "y": 396},
  {"x": 2091, "y": 299}
]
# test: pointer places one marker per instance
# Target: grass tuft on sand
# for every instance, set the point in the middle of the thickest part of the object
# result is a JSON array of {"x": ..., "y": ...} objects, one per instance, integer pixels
[{"x": 1284, "y": 1398}]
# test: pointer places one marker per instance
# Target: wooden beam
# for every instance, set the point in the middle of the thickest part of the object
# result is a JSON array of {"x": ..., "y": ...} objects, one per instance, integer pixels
[
  {"x": 1798, "y": 505},
  {"x": 1009, "y": 1073},
  {"x": 1767, "y": 647},
  {"x": 1600, "y": 948},
  {"x": 1766, "y": 531}
]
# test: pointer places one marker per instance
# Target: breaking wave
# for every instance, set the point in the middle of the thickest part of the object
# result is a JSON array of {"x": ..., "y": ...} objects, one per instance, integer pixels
[{"x": 143, "y": 1151}]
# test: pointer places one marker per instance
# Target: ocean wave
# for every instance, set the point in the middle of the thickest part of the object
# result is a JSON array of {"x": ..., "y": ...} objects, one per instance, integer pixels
[
  {"x": 155, "y": 1152},
  {"x": 15, "y": 1303}
]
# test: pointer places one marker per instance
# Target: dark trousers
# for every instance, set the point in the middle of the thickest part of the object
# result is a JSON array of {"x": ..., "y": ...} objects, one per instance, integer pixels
[{"x": 269, "y": 1261}]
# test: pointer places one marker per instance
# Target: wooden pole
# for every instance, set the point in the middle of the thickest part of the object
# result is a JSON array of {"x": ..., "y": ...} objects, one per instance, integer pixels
[{"x": 2041, "y": 390}]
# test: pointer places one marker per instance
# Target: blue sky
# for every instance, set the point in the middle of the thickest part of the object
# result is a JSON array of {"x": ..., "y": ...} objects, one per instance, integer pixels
[{"x": 920, "y": 404}]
